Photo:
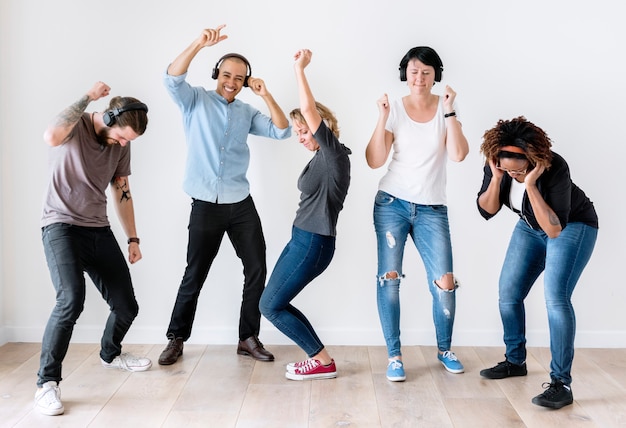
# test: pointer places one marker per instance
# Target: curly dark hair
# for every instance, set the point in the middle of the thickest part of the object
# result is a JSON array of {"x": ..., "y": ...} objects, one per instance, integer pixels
[{"x": 520, "y": 133}]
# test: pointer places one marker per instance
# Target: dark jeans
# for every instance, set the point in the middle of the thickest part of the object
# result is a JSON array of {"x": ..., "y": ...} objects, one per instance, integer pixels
[
  {"x": 207, "y": 224},
  {"x": 71, "y": 251},
  {"x": 304, "y": 258}
]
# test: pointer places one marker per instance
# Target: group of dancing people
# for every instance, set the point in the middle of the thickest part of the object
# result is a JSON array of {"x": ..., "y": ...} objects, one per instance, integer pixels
[{"x": 422, "y": 131}]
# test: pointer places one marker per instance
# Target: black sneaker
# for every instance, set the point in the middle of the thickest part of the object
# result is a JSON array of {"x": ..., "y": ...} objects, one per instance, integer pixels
[
  {"x": 555, "y": 396},
  {"x": 504, "y": 369}
]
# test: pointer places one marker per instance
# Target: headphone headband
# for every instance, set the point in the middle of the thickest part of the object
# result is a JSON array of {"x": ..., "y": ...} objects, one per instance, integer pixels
[
  {"x": 216, "y": 69},
  {"x": 109, "y": 117}
]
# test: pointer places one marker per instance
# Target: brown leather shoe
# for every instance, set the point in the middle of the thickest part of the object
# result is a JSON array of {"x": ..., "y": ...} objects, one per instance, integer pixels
[
  {"x": 172, "y": 351},
  {"x": 252, "y": 347}
]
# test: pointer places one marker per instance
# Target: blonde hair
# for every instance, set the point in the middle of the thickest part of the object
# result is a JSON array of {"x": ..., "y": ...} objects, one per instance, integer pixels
[{"x": 327, "y": 116}]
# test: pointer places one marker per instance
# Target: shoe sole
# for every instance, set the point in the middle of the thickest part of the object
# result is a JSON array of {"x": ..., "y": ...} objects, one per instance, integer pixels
[
  {"x": 170, "y": 362},
  {"x": 294, "y": 376},
  {"x": 247, "y": 354},
  {"x": 396, "y": 378},
  {"x": 455, "y": 371},
  {"x": 128, "y": 369},
  {"x": 550, "y": 404},
  {"x": 488, "y": 376},
  {"x": 55, "y": 412}
]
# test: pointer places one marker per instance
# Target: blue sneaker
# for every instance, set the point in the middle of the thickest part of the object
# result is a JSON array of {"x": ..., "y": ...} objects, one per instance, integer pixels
[
  {"x": 395, "y": 371},
  {"x": 451, "y": 362}
]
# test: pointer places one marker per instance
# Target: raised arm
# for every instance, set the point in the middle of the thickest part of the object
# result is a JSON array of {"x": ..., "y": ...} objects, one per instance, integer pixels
[
  {"x": 57, "y": 132},
  {"x": 456, "y": 143},
  {"x": 208, "y": 37},
  {"x": 307, "y": 102},
  {"x": 380, "y": 143},
  {"x": 120, "y": 191},
  {"x": 276, "y": 113}
]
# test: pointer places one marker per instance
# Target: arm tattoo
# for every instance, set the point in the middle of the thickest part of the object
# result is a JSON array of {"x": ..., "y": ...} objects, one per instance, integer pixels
[
  {"x": 122, "y": 185},
  {"x": 70, "y": 115},
  {"x": 554, "y": 219}
]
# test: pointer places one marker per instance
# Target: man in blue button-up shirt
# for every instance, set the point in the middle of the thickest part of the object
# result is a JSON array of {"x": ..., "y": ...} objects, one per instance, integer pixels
[{"x": 217, "y": 127}]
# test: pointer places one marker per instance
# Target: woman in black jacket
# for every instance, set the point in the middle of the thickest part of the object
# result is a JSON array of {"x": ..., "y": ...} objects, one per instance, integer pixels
[{"x": 555, "y": 235}]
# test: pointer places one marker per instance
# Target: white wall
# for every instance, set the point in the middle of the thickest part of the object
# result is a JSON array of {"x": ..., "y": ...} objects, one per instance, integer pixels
[{"x": 558, "y": 63}]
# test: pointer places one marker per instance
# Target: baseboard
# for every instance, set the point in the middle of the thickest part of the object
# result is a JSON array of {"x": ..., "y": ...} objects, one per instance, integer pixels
[{"x": 271, "y": 336}]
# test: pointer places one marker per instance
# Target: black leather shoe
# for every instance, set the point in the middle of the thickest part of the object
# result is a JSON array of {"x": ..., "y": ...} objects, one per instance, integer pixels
[
  {"x": 252, "y": 347},
  {"x": 172, "y": 351}
]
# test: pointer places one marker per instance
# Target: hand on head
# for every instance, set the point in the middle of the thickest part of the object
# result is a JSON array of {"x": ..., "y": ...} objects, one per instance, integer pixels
[
  {"x": 257, "y": 85},
  {"x": 495, "y": 172},
  {"x": 533, "y": 175}
]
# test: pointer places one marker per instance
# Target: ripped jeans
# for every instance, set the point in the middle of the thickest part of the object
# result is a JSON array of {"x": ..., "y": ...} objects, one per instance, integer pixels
[{"x": 394, "y": 220}]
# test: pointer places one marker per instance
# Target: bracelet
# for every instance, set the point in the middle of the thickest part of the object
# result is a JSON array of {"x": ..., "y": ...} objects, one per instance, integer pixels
[
  {"x": 133, "y": 239},
  {"x": 452, "y": 113}
]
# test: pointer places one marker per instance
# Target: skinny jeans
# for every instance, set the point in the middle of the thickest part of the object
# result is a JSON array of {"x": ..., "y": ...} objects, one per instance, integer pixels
[
  {"x": 70, "y": 251},
  {"x": 562, "y": 261},
  {"x": 427, "y": 225},
  {"x": 304, "y": 258}
]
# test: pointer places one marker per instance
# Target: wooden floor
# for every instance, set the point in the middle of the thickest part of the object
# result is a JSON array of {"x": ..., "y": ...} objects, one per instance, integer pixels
[{"x": 211, "y": 386}]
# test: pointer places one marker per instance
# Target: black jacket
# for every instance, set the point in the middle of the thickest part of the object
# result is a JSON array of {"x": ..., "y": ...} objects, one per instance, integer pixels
[{"x": 567, "y": 201}]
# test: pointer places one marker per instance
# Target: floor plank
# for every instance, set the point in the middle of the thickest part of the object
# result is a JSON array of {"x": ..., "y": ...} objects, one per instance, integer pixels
[{"x": 213, "y": 386}]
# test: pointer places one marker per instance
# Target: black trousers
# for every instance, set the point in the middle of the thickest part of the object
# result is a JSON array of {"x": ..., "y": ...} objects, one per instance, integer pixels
[{"x": 207, "y": 224}]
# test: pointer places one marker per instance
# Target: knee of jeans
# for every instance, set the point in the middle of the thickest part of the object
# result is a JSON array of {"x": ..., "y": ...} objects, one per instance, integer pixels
[
  {"x": 266, "y": 308},
  {"x": 447, "y": 283},
  {"x": 390, "y": 278}
]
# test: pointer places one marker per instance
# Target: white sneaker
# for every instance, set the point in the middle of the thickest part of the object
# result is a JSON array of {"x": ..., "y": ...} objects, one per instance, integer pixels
[
  {"x": 128, "y": 362},
  {"x": 48, "y": 399}
]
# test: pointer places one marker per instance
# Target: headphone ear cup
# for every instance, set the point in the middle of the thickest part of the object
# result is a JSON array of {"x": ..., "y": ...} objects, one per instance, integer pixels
[
  {"x": 245, "y": 81},
  {"x": 402, "y": 74},
  {"x": 215, "y": 73},
  {"x": 108, "y": 118}
]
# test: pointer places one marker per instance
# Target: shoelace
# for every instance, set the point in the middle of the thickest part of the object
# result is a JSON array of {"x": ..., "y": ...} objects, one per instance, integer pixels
[
  {"x": 301, "y": 363},
  {"x": 450, "y": 356},
  {"x": 552, "y": 388},
  {"x": 127, "y": 360},
  {"x": 395, "y": 364},
  {"x": 308, "y": 365},
  {"x": 50, "y": 396},
  {"x": 171, "y": 344}
]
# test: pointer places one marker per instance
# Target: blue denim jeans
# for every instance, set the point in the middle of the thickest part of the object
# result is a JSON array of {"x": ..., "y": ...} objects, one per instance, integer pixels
[
  {"x": 395, "y": 220},
  {"x": 71, "y": 251},
  {"x": 304, "y": 258},
  {"x": 562, "y": 260},
  {"x": 208, "y": 222}
]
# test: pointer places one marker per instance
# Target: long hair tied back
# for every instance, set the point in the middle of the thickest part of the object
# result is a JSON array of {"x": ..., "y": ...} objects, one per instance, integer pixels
[
  {"x": 327, "y": 116},
  {"x": 517, "y": 133}
]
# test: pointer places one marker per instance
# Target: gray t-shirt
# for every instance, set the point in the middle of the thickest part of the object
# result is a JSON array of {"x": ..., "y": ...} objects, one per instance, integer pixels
[
  {"x": 80, "y": 171},
  {"x": 324, "y": 185}
]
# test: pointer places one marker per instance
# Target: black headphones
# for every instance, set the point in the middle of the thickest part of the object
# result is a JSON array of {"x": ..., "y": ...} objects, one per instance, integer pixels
[
  {"x": 216, "y": 69},
  {"x": 109, "y": 117},
  {"x": 413, "y": 54}
]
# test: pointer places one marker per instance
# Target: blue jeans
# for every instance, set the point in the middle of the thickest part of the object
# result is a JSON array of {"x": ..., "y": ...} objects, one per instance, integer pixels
[
  {"x": 304, "y": 258},
  {"x": 71, "y": 251},
  {"x": 207, "y": 224},
  {"x": 394, "y": 220},
  {"x": 562, "y": 260}
]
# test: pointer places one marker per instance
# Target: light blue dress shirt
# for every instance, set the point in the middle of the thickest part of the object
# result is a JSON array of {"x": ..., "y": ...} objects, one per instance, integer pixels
[{"x": 217, "y": 149}]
